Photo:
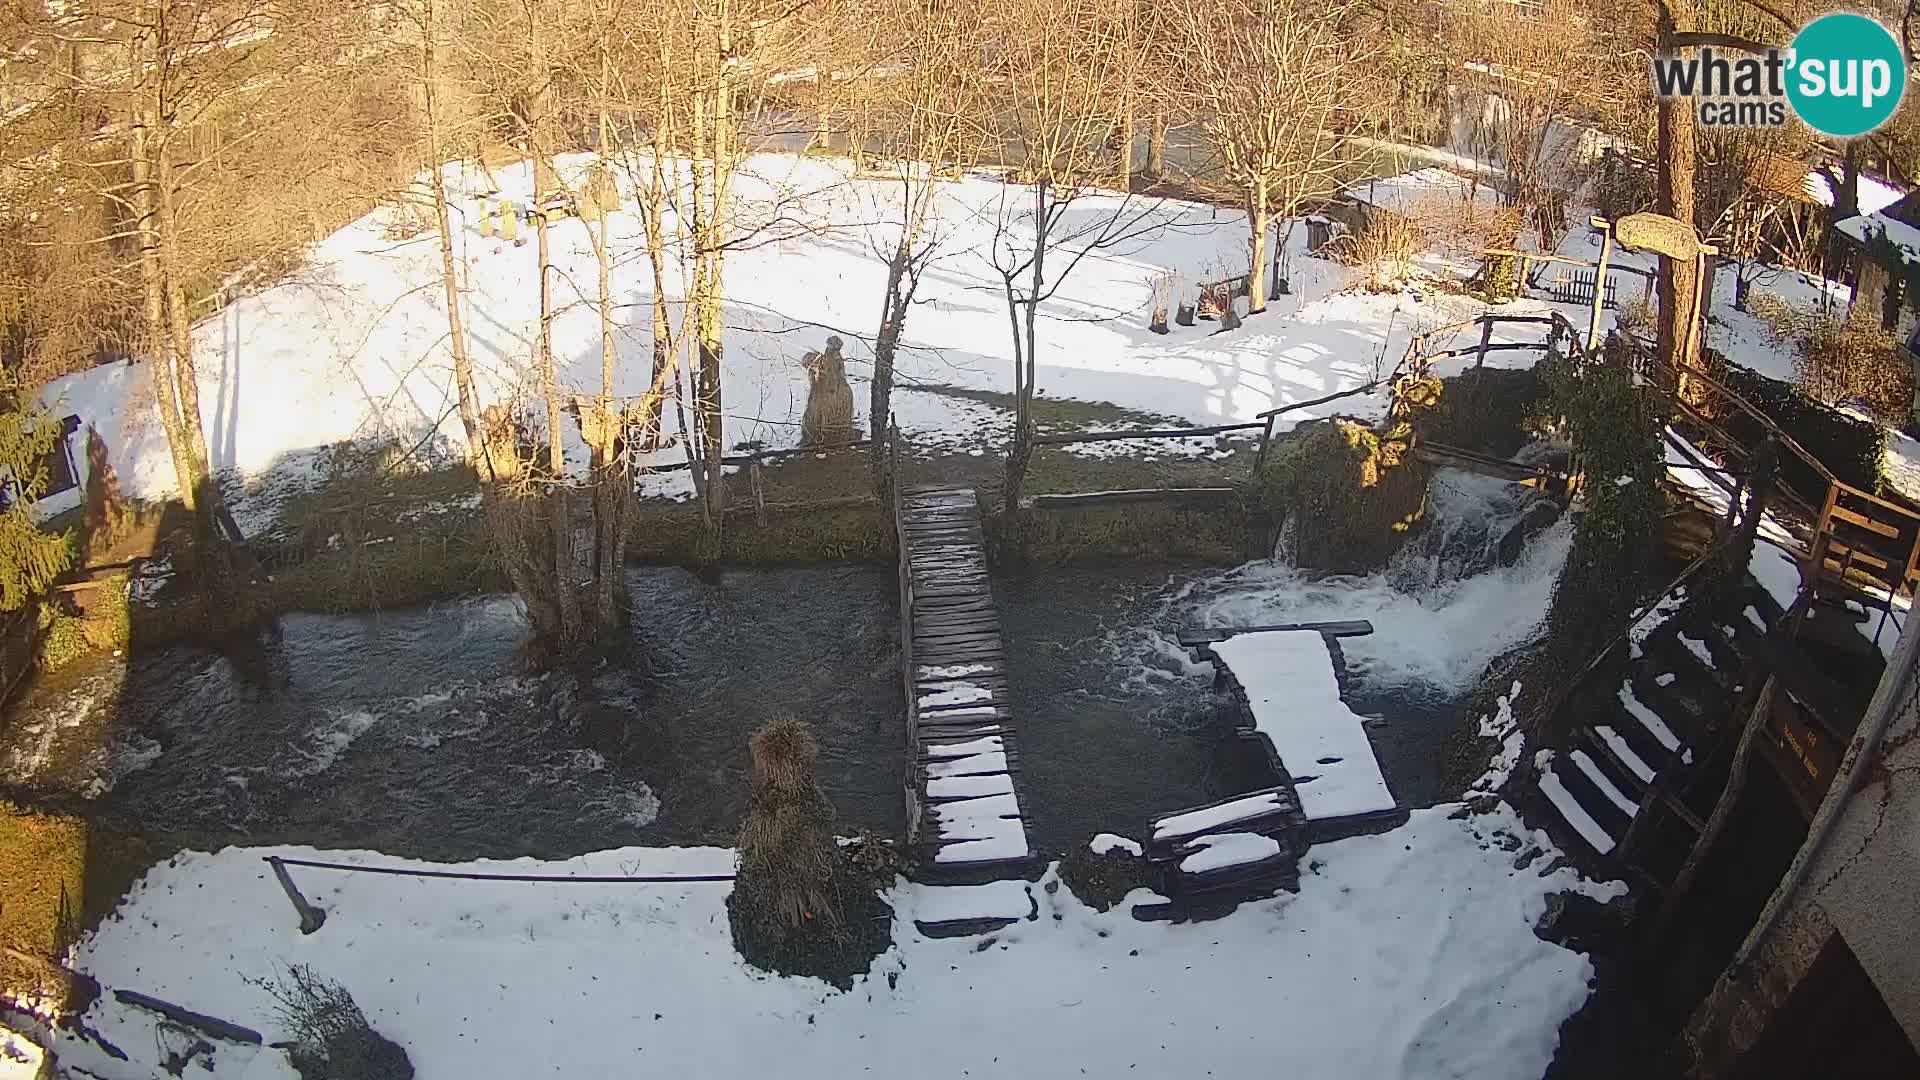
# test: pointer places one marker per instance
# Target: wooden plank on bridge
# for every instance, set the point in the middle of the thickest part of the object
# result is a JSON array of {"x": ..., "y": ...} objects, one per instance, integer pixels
[{"x": 965, "y": 815}]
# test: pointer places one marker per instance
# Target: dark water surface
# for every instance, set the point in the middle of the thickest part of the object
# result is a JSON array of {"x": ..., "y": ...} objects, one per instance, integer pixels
[{"x": 415, "y": 733}]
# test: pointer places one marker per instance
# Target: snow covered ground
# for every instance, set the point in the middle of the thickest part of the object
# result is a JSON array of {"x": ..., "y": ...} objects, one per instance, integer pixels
[
  {"x": 1410, "y": 954},
  {"x": 354, "y": 344}
]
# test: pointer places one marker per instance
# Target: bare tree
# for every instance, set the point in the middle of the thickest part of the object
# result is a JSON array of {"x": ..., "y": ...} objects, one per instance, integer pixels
[
  {"x": 1534, "y": 74},
  {"x": 928, "y": 104},
  {"x": 1061, "y": 76},
  {"x": 180, "y": 111},
  {"x": 1267, "y": 80}
]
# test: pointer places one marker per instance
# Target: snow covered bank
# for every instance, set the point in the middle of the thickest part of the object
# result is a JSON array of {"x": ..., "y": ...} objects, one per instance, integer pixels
[
  {"x": 354, "y": 345},
  {"x": 1409, "y": 954}
]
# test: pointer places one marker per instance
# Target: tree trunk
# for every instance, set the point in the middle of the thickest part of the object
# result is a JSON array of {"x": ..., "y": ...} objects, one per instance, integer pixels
[
  {"x": 449, "y": 281},
  {"x": 893, "y": 317},
  {"x": 1846, "y": 204},
  {"x": 1679, "y": 283},
  {"x": 1157, "y": 145},
  {"x": 822, "y": 139},
  {"x": 179, "y": 320},
  {"x": 711, "y": 348},
  {"x": 607, "y": 470},
  {"x": 1025, "y": 365},
  {"x": 565, "y": 579},
  {"x": 902, "y": 282},
  {"x": 154, "y": 317},
  {"x": 1257, "y": 223},
  {"x": 653, "y": 206}
]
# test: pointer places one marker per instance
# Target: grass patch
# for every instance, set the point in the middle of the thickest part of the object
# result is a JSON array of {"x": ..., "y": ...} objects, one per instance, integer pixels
[
  {"x": 1055, "y": 415},
  {"x": 1350, "y": 495},
  {"x": 1124, "y": 531},
  {"x": 43, "y": 870},
  {"x": 103, "y": 622},
  {"x": 1103, "y": 880}
]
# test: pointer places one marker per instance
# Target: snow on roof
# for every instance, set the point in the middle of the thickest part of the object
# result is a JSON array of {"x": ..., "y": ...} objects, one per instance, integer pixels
[
  {"x": 1903, "y": 235},
  {"x": 1405, "y": 193},
  {"x": 1295, "y": 697},
  {"x": 1875, "y": 195}
]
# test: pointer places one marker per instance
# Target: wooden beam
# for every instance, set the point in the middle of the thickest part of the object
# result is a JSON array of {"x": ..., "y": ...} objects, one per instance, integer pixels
[{"x": 1343, "y": 628}]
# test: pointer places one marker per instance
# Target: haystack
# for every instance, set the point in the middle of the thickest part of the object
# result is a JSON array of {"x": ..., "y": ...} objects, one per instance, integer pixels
[
  {"x": 798, "y": 906},
  {"x": 829, "y": 417}
]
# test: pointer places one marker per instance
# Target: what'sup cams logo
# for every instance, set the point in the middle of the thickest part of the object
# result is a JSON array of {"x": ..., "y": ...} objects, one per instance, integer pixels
[{"x": 1843, "y": 75}]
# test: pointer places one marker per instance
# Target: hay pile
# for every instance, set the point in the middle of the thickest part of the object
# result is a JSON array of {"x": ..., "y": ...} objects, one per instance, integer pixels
[
  {"x": 798, "y": 906},
  {"x": 828, "y": 420}
]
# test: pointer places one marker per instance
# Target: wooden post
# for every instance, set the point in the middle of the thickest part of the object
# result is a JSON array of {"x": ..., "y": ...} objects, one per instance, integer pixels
[
  {"x": 1486, "y": 339},
  {"x": 759, "y": 494},
  {"x": 1600, "y": 282},
  {"x": 1266, "y": 436},
  {"x": 311, "y": 917}
]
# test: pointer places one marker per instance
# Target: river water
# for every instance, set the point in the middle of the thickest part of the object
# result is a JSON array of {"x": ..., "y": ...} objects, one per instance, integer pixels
[{"x": 413, "y": 732}]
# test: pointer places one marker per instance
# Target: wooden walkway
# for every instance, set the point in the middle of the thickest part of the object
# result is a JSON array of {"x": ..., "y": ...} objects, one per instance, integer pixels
[{"x": 964, "y": 808}]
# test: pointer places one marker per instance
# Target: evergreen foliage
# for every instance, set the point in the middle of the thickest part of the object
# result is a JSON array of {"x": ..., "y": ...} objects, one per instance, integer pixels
[{"x": 30, "y": 557}]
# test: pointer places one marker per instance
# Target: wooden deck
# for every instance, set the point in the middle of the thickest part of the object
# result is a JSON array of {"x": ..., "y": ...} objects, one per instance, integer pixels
[
  {"x": 1327, "y": 741},
  {"x": 965, "y": 820}
]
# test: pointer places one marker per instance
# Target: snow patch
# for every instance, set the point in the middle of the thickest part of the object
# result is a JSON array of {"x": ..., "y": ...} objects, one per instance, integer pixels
[
  {"x": 1218, "y": 851},
  {"x": 1379, "y": 967}
]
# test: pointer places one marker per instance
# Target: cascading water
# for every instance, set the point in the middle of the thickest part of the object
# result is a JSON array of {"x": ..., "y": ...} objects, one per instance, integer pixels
[
  {"x": 1139, "y": 731},
  {"x": 1441, "y": 609}
]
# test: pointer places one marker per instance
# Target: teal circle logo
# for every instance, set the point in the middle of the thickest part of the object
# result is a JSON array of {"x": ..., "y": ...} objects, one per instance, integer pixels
[{"x": 1845, "y": 75}]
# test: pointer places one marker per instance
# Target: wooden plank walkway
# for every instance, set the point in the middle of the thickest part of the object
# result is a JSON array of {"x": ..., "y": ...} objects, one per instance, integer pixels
[
  {"x": 964, "y": 809},
  {"x": 1286, "y": 685}
]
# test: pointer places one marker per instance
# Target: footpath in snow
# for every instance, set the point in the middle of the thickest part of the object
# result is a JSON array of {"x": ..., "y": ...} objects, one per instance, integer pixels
[{"x": 1410, "y": 954}]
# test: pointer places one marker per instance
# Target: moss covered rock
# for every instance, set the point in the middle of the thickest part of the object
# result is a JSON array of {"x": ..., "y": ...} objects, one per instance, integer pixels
[{"x": 1349, "y": 495}]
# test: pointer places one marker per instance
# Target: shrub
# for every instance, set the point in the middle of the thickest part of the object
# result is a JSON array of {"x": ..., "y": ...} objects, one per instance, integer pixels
[
  {"x": 1852, "y": 360},
  {"x": 1852, "y": 448},
  {"x": 30, "y": 559},
  {"x": 1784, "y": 321},
  {"x": 328, "y": 1037},
  {"x": 1619, "y": 536},
  {"x": 105, "y": 623},
  {"x": 1636, "y": 316},
  {"x": 1488, "y": 410}
]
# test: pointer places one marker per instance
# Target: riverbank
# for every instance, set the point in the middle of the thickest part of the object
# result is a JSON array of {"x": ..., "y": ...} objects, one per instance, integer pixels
[{"x": 1320, "y": 979}]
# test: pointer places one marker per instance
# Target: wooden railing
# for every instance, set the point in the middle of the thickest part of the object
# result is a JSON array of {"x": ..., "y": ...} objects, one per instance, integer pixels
[{"x": 1856, "y": 541}]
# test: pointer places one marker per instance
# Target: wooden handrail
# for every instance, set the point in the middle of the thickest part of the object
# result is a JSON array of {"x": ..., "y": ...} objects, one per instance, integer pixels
[{"x": 1754, "y": 413}]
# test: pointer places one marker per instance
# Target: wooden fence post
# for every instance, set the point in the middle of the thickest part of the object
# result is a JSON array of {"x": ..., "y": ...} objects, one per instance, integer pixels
[
  {"x": 311, "y": 917},
  {"x": 1266, "y": 437},
  {"x": 1486, "y": 339},
  {"x": 759, "y": 494}
]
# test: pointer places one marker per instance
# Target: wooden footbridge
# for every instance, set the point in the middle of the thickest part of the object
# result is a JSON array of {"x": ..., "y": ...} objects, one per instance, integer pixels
[{"x": 965, "y": 814}]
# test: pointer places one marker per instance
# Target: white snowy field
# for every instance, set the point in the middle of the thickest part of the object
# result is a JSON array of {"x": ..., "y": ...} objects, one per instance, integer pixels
[
  {"x": 354, "y": 344},
  {"x": 1410, "y": 954}
]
